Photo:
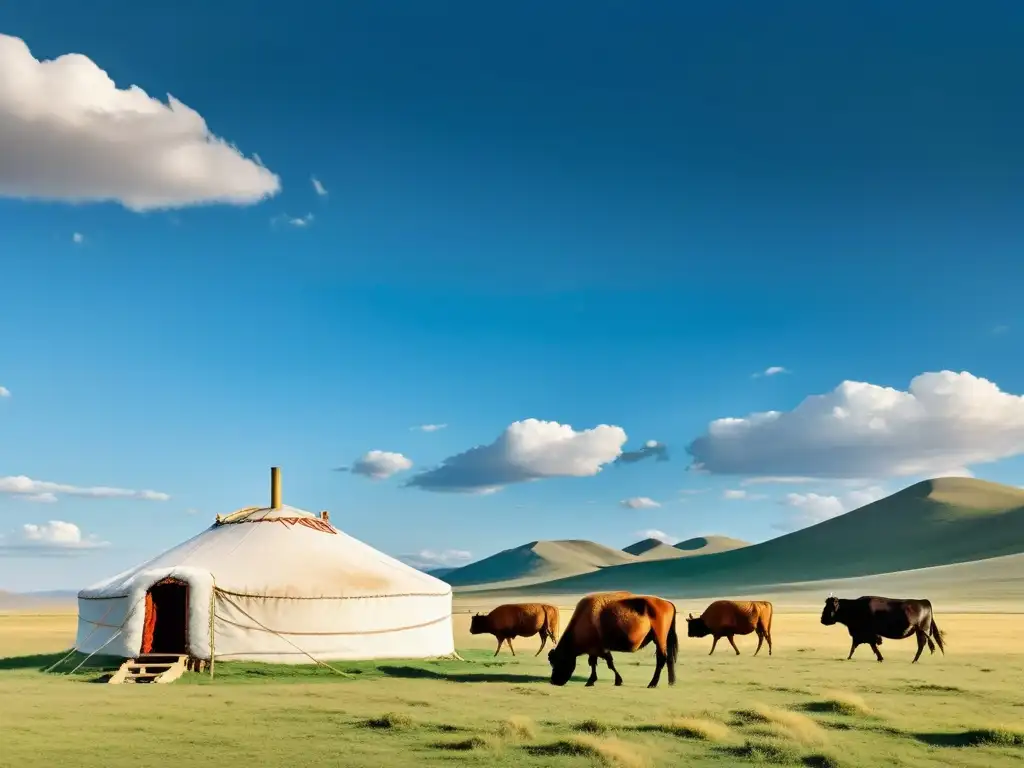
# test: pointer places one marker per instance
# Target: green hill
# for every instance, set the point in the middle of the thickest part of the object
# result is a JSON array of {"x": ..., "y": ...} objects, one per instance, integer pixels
[
  {"x": 538, "y": 561},
  {"x": 932, "y": 523}
]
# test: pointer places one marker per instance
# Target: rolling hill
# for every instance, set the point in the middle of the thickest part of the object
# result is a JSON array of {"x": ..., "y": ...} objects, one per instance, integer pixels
[
  {"x": 655, "y": 549},
  {"x": 709, "y": 545},
  {"x": 932, "y": 523},
  {"x": 537, "y": 561}
]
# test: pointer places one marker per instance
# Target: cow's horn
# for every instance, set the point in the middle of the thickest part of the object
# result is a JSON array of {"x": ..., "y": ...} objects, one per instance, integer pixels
[{"x": 830, "y": 594}]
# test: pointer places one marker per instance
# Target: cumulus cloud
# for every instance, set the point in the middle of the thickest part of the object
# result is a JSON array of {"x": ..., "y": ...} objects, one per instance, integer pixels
[
  {"x": 653, "y": 533},
  {"x": 298, "y": 222},
  {"x": 736, "y": 494},
  {"x": 67, "y": 132},
  {"x": 78, "y": 238},
  {"x": 56, "y": 537},
  {"x": 813, "y": 508},
  {"x": 427, "y": 559},
  {"x": 944, "y": 422},
  {"x": 318, "y": 187},
  {"x": 772, "y": 370},
  {"x": 639, "y": 502},
  {"x": 5, "y": 392},
  {"x": 651, "y": 449},
  {"x": 45, "y": 491},
  {"x": 378, "y": 465},
  {"x": 428, "y": 427},
  {"x": 527, "y": 450}
]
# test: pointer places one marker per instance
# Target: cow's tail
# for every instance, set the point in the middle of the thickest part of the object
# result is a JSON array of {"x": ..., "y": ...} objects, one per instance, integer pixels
[
  {"x": 672, "y": 644},
  {"x": 769, "y": 611},
  {"x": 938, "y": 637},
  {"x": 551, "y": 620}
]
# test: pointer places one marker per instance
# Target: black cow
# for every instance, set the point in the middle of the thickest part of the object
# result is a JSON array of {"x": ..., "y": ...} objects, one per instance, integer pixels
[{"x": 869, "y": 619}]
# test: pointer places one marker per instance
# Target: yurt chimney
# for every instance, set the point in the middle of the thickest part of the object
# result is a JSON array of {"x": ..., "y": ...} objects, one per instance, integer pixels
[{"x": 275, "y": 488}]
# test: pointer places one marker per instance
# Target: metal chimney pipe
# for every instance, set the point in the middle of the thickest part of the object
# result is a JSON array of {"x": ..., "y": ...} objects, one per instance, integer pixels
[{"x": 275, "y": 488}]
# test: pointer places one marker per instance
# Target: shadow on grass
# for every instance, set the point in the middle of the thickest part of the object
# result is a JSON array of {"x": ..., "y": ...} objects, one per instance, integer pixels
[
  {"x": 41, "y": 662},
  {"x": 982, "y": 737},
  {"x": 420, "y": 673}
]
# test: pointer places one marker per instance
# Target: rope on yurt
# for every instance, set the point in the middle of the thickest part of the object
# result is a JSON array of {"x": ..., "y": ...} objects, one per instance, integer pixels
[
  {"x": 96, "y": 625},
  {"x": 213, "y": 634},
  {"x": 293, "y": 645},
  {"x": 109, "y": 639}
]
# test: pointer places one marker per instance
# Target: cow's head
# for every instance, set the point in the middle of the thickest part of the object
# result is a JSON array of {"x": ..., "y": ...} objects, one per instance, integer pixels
[
  {"x": 563, "y": 664},
  {"x": 478, "y": 624},
  {"x": 830, "y": 613},
  {"x": 696, "y": 627}
]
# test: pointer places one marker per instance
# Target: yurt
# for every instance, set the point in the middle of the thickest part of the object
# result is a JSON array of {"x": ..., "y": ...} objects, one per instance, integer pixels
[{"x": 274, "y": 584}]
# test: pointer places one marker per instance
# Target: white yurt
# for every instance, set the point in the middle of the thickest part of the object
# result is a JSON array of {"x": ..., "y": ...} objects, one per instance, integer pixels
[{"x": 274, "y": 584}]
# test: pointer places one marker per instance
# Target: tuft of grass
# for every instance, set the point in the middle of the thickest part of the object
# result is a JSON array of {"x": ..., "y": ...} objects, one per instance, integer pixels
[
  {"x": 975, "y": 737},
  {"x": 839, "y": 703},
  {"x": 518, "y": 727},
  {"x": 782, "y": 723},
  {"x": 389, "y": 721},
  {"x": 767, "y": 750},
  {"x": 694, "y": 728},
  {"x": 591, "y": 726},
  {"x": 472, "y": 744},
  {"x": 608, "y": 751}
]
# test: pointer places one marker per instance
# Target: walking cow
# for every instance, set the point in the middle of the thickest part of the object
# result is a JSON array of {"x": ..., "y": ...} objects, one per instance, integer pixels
[
  {"x": 616, "y": 621},
  {"x": 869, "y": 619},
  {"x": 517, "y": 620},
  {"x": 725, "y": 618}
]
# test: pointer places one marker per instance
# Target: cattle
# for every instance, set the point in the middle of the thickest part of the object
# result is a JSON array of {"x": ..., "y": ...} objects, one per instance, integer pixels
[
  {"x": 870, "y": 618},
  {"x": 517, "y": 620},
  {"x": 726, "y": 618},
  {"x": 616, "y": 621}
]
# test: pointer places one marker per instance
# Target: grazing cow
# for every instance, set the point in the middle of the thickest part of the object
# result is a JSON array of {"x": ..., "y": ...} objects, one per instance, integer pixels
[
  {"x": 517, "y": 620},
  {"x": 725, "y": 618},
  {"x": 616, "y": 621},
  {"x": 869, "y": 619}
]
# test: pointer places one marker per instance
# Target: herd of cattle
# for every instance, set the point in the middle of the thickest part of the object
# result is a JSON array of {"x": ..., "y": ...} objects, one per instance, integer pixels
[{"x": 625, "y": 623}]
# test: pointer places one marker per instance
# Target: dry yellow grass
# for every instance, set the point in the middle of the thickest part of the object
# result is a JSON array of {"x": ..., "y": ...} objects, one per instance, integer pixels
[
  {"x": 696, "y": 728},
  {"x": 518, "y": 727},
  {"x": 783, "y": 723}
]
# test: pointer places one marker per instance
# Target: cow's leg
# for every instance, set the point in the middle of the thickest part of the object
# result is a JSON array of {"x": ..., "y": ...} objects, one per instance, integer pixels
[
  {"x": 509, "y": 641},
  {"x": 543, "y": 642},
  {"x": 733, "y": 644},
  {"x": 593, "y": 671},
  {"x": 922, "y": 641},
  {"x": 768, "y": 637},
  {"x": 714, "y": 644},
  {"x": 760, "y": 641},
  {"x": 611, "y": 665},
  {"x": 500, "y": 641},
  {"x": 931, "y": 645},
  {"x": 878, "y": 654},
  {"x": 853, "y": 647},
  {"x": 659, "y": 663}
]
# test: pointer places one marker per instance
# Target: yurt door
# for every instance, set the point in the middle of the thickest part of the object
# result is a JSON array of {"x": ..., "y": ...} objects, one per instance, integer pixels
[{"x": 166, "y": 624}]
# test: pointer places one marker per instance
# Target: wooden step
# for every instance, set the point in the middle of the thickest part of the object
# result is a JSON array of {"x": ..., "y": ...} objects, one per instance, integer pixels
[{"x": 150, "y": 668}]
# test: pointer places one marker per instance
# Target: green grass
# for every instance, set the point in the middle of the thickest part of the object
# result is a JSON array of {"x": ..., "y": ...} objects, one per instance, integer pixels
[{"x": 795, "y": 709}]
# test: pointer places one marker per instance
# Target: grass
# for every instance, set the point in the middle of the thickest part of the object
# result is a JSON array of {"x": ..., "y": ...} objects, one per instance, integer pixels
[{"x": 808, "y": 708}]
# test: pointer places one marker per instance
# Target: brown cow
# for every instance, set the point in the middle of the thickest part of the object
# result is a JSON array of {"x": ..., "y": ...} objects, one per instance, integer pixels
[
  {"x": 616, "y": 621},
  {"x": 725, "y": 618},
  {"x": 517, "y": 620}
]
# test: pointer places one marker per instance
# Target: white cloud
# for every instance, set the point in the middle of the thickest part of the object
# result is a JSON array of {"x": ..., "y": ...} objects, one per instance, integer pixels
[
  {"x": 661, "y": 536},
  {"x": 56, "y": 537},
  {"x": 379, "y": 465},
  {"x": 527, "y": 450},
  {"x": 318, "y": 186},
  {"x": 772, "y": 370},
  {"x": 5, "y": 392},
  {"x": 639, "y": 502},
  {"x": 944, "y": 422},
  {"x": 427, "y": 559},
  {"x": 78, "y": 238},
  {"x": 812, "y": 508},
  {"x": 44, "y": 491},
  {"x": 737, "y": 494},
  {"x": 299, "y": 222},
  {"x": 428, "y": 427},
  {"x": 68, "y": 133}
]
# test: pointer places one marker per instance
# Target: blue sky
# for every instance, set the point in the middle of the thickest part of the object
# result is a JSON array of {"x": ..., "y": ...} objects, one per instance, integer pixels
[{"x": 597, "y": 214}]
